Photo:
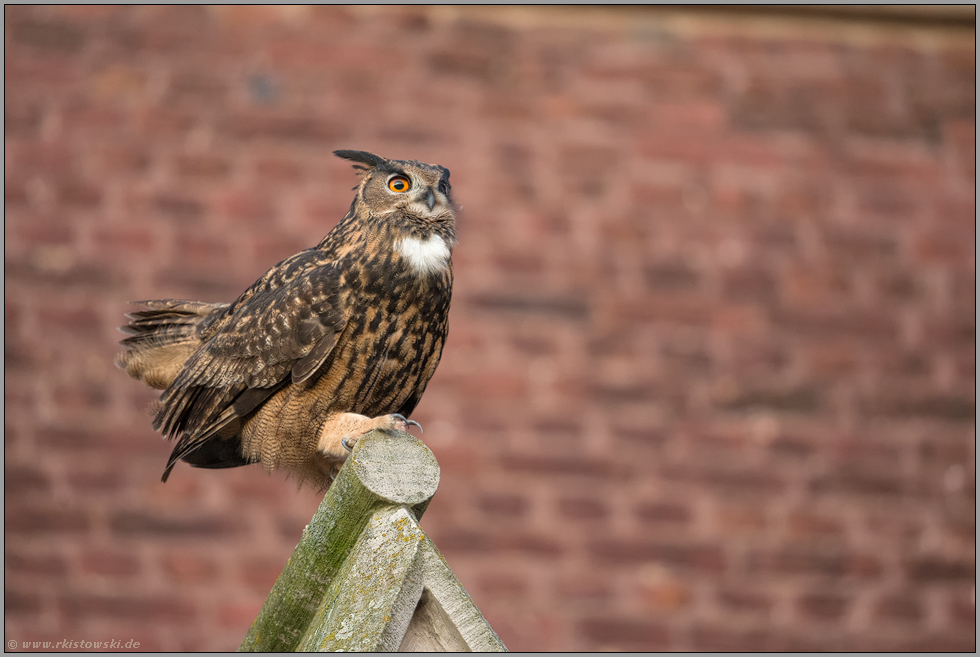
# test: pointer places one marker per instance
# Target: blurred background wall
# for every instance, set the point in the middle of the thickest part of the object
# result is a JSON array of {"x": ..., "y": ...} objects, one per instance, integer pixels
[{"x": 710, "y": 375}]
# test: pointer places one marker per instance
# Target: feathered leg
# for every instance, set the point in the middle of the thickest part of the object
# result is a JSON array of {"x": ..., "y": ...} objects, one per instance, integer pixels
[{"x": 340, "y": 432}]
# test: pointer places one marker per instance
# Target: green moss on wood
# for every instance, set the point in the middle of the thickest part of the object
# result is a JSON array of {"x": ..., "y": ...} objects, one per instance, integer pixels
[{"x": 384, "y": 469}]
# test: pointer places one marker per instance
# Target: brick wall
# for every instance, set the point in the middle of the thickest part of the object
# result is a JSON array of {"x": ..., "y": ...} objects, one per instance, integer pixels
[{"x": 710, "y": 377}]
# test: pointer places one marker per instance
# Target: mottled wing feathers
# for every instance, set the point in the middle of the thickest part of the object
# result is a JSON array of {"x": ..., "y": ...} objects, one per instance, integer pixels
[
  {"x": 272, "y": 335},
  {"x": 322, "y": 346},
  {"x": 276, "y": 329},
  {"x": 167, "y": 321}
]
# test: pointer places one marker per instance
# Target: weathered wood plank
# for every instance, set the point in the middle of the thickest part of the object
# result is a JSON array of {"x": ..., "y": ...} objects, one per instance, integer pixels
[
  {"x": 384, "y": 469},
  {"x": 370, "y": 603}
]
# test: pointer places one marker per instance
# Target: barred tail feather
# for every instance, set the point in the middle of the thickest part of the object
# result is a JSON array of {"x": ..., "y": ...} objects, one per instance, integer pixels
[{"x": 162, "y": 338}]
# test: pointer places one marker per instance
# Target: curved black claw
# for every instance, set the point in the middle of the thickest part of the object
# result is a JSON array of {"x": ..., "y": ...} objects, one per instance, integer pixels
[
  {"x": 407, "y": 421},
  {"x": 343, "y": 441}
]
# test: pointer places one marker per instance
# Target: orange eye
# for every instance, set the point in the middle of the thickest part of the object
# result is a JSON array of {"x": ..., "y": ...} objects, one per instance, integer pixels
[{"x": 399, "y": 184}]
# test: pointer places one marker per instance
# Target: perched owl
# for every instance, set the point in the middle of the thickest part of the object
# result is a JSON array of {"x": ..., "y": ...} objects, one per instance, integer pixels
[{"x": 329, "y": 344}]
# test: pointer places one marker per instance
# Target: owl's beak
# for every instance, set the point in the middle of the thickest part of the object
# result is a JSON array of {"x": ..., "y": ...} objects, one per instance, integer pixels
[{"x": 430, "y": 198}]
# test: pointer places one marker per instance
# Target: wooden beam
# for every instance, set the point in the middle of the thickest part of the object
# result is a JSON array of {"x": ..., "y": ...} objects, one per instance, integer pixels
[{"x": 365, "y": 576}]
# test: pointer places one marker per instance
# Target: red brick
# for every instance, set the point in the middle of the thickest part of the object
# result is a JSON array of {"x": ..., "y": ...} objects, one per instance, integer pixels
[
  {"x": 783, "y": 104},
  {"x": 942, "y": 248},
  {"x": 279, "y": 169},
  {"x": 855, "y": 245},
  {"x": 204, "y": 251},
  {"x": 15, "y": 194},
  {"x": 124, "y": 159},
  {"x": 749, "y": 284},
  {"x": 247, "y": 207},
  {"x": 152, "y": 609},
  {"x": 197, "y": 167},
  {"x": 261, "y": 574},
  {"x": 532, "y": 544},
  {"x": 237, "y": 615},
  {"x": 949, "y": 407},
  {"x": 73, "y": 440},
  {"x": 21, "y": 603},
  {"x": 96, "y": 480},
  {"x": 730, "y": 482},
  {"x": 664, "y": 597},
  {"x": 140, "y": 523},
  {"x": 508, "y": 505},
  {"x": 188, "y": 567},
  {"x": 78, "y": 194},
  {"x": 37, "y": 565},
  {"x": 739, "y": 519},
  {"x": 283, "y": 127},
  {"x": 74, "y": 277},
  {"x": 901, "y": 609},
  {"x": 566, "y": 307},
  {"x": 724, "y": 639},
  {"x": 611, "y": 633},
  {"x": 559, "y": 466},
  {"x": 939, "y": 643},
  {"x": 951, "y": 331},
  {"x": 744, "y": 258},
  {"x": 663, "y": 513},
  {"x": 40, "y": 520},
  {"x": 277, "y": 248},
  {"x": 930, "y": 568},
  {"x": 200, "y": 283},
  {"x": 583, "y": 509},
  {"x": 745, "y": 601},
  {"x": 76, "y": 320},
  {"x": 823, "y": 606},
  {"x": 799, "y": 400},
  {"x": 960, "y": 138},
  {"x": 832, "y": 361},
  {"x": 671, "y": 277},
  {"x": 164, "y": 123},
  {"x": 693, "y": 556},
  {"x": 42, "y": 158},
  {"x": 22, "y": 119},
  {"x": 503, "y": 584},
  {"x": 809, "y": 287},
  {"x": 827, "y": 562},
  {"x": 138, "y": 240},
  {"x": 87, "y": 397},
  {"x": 50, "y": 35},
  {"x": 963, "y": 611},
  {"x": 24, "y": 481},
  {"x": 804, "y": 524},
  {"x": 472, "y": 541},
  {"x": 178, "y": 206},
  {"x": 585, "y": 588},
  {"x": 110, "y": 563},
  {"x": 192, "y": 86}
]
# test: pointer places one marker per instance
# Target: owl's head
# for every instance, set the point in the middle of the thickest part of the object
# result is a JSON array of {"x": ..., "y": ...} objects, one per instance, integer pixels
[{"x": 419, "y": 191}]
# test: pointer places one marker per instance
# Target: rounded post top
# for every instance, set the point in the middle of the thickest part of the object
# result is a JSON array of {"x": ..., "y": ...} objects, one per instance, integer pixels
[{"x": 395, "y": 466}]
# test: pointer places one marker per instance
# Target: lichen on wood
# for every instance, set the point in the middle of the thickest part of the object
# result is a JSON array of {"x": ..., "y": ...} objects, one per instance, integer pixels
[{"x": 365, "y": 576}]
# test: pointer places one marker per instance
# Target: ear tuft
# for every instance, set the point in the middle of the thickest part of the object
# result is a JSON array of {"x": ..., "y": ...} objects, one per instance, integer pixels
[{"x": 372, "y": 160}]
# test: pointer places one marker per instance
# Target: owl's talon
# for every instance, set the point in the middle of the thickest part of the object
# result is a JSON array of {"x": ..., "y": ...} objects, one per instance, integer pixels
[
  {"x": 343, "y": 441},
  {"x": 401, "y": 418}
]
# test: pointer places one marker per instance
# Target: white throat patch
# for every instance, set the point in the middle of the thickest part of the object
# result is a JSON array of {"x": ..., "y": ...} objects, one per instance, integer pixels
[{"x": 425, "y": 257}]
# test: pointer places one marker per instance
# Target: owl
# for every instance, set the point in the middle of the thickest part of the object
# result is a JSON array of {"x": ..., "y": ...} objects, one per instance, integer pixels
[{"x": 329, "y": 344}]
